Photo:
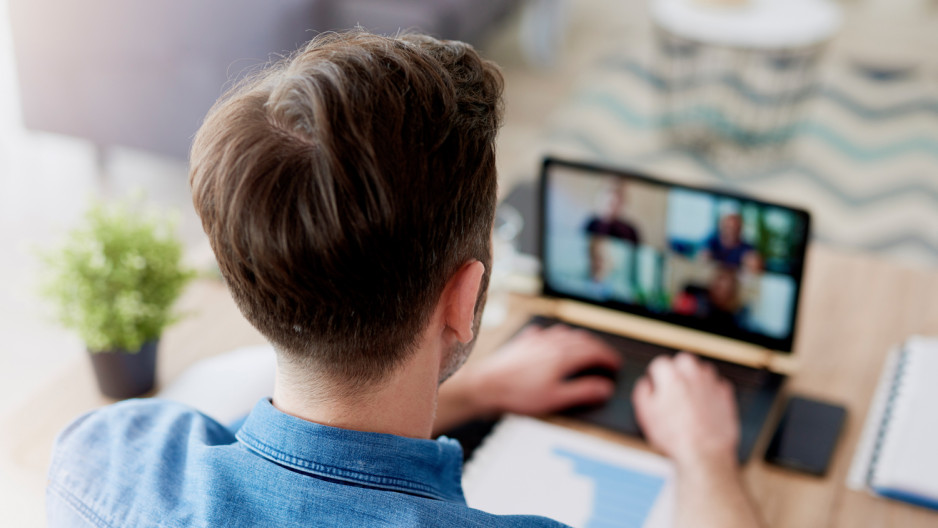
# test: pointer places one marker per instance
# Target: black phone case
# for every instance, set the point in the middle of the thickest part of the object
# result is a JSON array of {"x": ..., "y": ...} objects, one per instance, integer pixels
[{"x": 806, "y": 435}]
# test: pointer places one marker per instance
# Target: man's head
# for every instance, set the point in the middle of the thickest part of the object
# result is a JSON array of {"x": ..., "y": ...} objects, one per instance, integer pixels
[
  {"x": 599, "y": 261},
  {"x": 724, "y": 289},
  {"x": 731, "y": 228},
  {"x": 614, "y": 199},
  {"x": 342, "y": 188}
]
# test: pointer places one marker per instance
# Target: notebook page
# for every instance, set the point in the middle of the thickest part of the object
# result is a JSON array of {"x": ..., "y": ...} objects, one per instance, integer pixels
[
  {"x": 908, "y": 456},
  {"x": 527, "y": 466}
]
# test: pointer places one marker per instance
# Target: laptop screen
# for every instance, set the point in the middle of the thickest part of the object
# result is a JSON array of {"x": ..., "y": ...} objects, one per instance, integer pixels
[{"x": 702, "y": 259}]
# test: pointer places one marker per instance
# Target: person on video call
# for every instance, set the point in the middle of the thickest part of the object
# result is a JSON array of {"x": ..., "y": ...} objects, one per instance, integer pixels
[
  {"x": 611, "y": 222},
  {"x": 601, "y": 266},
  {"x": 720, "y": 302},
  {"x": 727, "y": 246},
  {"x": 349, "y": 193}
]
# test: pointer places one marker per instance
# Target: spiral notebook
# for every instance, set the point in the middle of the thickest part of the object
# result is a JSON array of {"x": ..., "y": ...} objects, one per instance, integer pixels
[
  {"x": 897, "y": 456},
  {"x": 530, "y": 467}
]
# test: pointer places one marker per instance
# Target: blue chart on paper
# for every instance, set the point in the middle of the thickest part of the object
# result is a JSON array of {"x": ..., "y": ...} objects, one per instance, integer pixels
[{"x": 623, "y": 497}]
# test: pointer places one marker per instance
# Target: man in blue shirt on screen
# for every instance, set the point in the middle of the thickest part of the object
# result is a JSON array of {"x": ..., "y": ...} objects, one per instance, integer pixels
[{"x": 349, "y": 193}]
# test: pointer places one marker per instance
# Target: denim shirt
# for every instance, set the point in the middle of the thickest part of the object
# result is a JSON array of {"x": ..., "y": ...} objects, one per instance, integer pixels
[{"x": 157, "y": 463}]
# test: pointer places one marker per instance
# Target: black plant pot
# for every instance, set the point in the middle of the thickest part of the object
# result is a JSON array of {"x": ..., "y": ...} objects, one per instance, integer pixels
[{"x": 123, "y": 375}]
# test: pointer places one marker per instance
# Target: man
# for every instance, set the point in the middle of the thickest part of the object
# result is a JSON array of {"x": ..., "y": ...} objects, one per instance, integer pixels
[
  {"x": 727, "y": 246},
  {"x": 349, "y": 194},
  {"x": 720, "y": 303},
  {"x": 612, "y": 222}
]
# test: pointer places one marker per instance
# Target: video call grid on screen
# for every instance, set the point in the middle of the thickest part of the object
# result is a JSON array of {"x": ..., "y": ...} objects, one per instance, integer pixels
[{"x": 703, "y": 259}]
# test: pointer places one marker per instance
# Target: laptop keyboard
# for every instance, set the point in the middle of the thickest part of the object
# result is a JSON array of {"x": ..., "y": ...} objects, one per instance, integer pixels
[{"x": 755, "y": 388}]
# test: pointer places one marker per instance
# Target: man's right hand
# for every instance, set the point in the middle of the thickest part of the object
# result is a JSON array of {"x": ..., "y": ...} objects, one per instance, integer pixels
[{"x": 688, "y": 412}]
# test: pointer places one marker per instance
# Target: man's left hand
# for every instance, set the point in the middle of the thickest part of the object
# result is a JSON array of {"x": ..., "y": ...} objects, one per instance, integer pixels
[{"x": 531, "y": 374}]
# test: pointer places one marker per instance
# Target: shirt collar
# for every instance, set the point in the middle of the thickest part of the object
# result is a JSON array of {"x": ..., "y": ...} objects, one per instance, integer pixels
[{"x": 428, "y": 468}]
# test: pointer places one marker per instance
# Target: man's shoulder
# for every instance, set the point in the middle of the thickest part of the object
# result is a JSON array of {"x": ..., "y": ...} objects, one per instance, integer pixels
[
  {"x": 139, "y": 421},
  {"x": 127, "y": 430},
  {"x": 131, "y": 445}
]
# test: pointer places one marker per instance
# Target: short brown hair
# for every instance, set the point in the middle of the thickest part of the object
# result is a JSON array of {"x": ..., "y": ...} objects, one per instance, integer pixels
[{"x": 342, "y": 187}]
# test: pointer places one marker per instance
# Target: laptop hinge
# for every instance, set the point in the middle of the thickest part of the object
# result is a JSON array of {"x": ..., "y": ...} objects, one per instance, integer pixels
[{"x": 665, "y": 334}]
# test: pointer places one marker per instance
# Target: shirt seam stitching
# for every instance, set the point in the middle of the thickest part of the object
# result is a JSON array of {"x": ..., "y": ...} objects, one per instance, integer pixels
[
  {"x": 78, "y": 505},
  {"x": 335, "y": 471}
]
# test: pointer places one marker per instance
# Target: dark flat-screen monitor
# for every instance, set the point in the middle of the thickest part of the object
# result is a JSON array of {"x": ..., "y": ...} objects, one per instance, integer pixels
[{"x": 700, "y": 258}]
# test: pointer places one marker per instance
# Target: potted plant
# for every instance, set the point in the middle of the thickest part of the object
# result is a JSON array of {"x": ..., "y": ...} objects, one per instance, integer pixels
[{"x": 114, "y": 281}]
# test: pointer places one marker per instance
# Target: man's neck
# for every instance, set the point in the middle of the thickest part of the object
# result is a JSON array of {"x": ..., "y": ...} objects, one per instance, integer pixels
[{"x": 404, "y": 405}]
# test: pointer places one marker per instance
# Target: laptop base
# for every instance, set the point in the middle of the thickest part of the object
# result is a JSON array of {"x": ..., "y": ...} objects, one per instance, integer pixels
[{"x": 756, "y": 389}]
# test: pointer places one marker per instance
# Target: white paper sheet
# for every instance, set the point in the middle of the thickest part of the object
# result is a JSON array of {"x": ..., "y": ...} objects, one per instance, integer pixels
[{"x": 528, "y": 466}]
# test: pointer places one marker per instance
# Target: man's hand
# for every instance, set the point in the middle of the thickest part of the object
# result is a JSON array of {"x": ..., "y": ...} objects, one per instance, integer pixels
[
  {"x": 687, "y": 411},
  {"x": 529, "y": 375}
]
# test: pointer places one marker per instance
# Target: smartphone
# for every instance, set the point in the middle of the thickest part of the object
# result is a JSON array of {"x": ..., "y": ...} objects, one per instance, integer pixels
[{"x": 806, "y": 435}]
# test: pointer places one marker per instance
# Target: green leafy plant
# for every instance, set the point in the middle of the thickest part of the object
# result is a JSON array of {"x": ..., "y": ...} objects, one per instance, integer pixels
[{"x": 116, "y": 276}]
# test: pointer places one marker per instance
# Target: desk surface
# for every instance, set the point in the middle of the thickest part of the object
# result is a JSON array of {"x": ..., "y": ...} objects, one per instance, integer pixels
[{"x": 854, "y": 308}]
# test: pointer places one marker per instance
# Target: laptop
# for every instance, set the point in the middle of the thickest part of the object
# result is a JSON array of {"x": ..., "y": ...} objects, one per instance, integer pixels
[{"x": 654, "y": 267}]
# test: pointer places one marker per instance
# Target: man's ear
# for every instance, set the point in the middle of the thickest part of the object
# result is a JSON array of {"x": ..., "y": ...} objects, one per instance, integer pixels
[{"x": 462, "y": 292}]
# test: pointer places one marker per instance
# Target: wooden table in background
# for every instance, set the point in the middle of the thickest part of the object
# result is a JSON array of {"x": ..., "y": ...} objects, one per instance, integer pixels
[{"x": 854, "y": 308}]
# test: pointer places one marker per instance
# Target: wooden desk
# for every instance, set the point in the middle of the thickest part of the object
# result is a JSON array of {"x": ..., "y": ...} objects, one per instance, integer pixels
[{"x": 854, "y": 309}]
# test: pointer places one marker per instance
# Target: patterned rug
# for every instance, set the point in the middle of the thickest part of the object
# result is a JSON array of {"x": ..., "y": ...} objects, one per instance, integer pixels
[{"x": 862, "y": 155}]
